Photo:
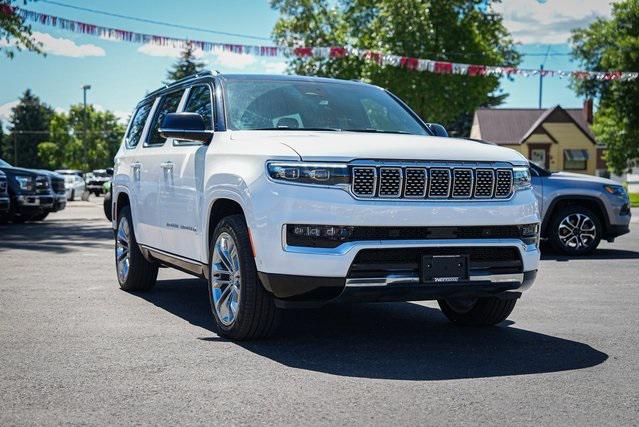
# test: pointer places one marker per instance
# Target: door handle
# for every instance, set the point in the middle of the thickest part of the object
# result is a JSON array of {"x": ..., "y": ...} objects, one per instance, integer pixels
[
  {"x": 136, "y": 165},
  {"x": 136, "y": 170},
  {"x": 167, "y": 165}
]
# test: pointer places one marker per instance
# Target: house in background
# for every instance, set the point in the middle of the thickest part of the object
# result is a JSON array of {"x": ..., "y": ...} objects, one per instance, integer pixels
[{"x": 557, "y": 139}]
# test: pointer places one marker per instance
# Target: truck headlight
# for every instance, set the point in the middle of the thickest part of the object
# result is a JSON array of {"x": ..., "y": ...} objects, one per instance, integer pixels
[
  {"x": 309, "y": 173},
  {"x": 522, "y": 179},
  {"x": 616, "y": 190},
  {"x": 25, "y": 183}
]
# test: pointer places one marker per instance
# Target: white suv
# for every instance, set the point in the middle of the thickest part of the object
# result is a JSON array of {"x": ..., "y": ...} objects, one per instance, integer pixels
[{"x": 287, "y": 191}]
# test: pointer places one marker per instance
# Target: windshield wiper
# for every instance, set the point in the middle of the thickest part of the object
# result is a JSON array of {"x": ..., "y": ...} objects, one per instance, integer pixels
[
  {"x": 300, "y": 129},
  {"x": 377, "y": 131}
]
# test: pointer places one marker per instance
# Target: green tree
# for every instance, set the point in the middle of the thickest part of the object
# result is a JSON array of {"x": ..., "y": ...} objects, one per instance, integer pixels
[
  {"x": 64, "y": 149},
  {"x": 613, "y": 45},
  {"x": 185, "y": 66},
  {"x": 4, "y": 142},
  {"x": 447, "y": 30},
  {"x": 29, "y": 126},
  {"x": 14, "y": 31}
]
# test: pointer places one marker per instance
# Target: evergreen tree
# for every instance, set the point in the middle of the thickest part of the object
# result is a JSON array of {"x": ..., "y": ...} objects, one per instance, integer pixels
[
  {"x": 29, "y": 126},
  {"x": 185, "y": 66}
]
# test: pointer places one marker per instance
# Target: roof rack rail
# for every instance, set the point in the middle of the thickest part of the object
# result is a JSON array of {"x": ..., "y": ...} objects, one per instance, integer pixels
[{"x": 182, "y": 80}]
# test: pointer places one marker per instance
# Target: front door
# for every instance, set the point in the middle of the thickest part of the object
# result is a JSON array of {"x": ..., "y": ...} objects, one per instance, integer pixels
[{"x": 181, "y": 188}]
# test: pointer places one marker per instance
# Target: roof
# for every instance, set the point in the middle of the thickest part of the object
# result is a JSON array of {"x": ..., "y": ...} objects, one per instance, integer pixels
[{"x": 506, "y": 126}]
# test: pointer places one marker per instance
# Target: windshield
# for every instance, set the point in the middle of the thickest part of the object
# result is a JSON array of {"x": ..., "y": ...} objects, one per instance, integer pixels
[
  {"x": 4, "y": 164},
  {"x": 300, "y": 105}
]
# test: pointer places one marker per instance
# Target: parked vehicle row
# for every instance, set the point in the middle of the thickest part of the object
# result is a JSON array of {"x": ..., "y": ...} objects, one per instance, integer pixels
[
  {"x": 32, "y": 194},
  {"x": 74, "y": 183}
]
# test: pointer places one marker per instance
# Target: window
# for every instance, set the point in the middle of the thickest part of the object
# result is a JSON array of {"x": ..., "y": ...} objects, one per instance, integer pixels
[
  {"x": 137, "y": 126},
  {"x": 291, "y": 104},
  {"x": 199, "y": 101},
  {"x": 168, "y": 104},
  {"x": 576, "y": 160}
]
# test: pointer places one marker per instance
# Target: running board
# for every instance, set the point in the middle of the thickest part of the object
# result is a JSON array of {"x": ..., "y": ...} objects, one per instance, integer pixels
[{"x": 186, "y": 265}]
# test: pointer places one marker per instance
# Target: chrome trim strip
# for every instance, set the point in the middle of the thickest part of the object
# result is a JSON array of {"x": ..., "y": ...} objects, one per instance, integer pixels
[{"x": 392, "y": 279}]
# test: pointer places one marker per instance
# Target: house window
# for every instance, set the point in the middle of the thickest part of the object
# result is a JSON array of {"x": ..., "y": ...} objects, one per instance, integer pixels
[{"x": 576, "y": 160}]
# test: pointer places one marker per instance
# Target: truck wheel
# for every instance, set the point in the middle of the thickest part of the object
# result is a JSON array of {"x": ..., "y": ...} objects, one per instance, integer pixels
[
  {"x": 107, "y": 207},
  {"x": 134, "y": 272},
  {"x": 575, "y": 230},
  {"x": 241, "y": 307},
  {"x": 477, "y": 312},
  {"x": 40, "y": 217},
  {"x": 72, "y": 195}
]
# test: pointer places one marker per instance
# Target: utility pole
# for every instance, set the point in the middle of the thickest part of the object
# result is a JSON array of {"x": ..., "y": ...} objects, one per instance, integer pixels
[
  {"x": 541, "y": 84},
  {"x": 85, "y": 88}
]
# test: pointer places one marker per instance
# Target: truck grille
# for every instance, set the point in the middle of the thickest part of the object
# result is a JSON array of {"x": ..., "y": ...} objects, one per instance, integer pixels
[
  {"x": 386, "y": 182},
  {"x": 58, "y": 185},
  {"x": 42, "y": 184},
  {"x": 3, "y": 185}
]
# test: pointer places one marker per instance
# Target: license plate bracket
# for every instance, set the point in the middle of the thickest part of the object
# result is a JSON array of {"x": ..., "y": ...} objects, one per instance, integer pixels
[{"x": 444, "y": 269}]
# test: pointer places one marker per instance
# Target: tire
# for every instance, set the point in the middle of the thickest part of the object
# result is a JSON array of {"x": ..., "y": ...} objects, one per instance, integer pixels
[
  {"x": 584, "y": 221},
  {"x": 72, "y": 195},
  {"x": 137, "y": 274},
  {"x": 479, "y": 312},
  {"x": 247, "y": 312},
  {"x": 39, "y": 217},
  {"x": 20, "y": 219},
  {"x": 85, "y": 196},
  {"x": 107, "y": 207}
]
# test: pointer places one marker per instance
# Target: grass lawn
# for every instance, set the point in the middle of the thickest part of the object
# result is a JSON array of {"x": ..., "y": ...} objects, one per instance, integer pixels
[{"x": 634, "y": 200}]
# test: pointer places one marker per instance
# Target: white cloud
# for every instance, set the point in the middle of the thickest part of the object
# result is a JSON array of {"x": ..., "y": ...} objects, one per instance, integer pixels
[
  {"x": 64, "y": 47},
  {"x": 166, "y": 51},
  {"x": 270, "y": 67},
  {"x": 5, "y": 110},
  {"x": 532, "y": 21},
  {"x": 232, "y": 60},
  {"x": 123, "y": 116}
]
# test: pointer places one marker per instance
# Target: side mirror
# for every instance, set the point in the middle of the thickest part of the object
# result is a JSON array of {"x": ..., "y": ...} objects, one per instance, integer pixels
[
  {"x": 185, "y": 126},
  {"x": 438, "y": 130},
  {"x": 109, "y": 172}
]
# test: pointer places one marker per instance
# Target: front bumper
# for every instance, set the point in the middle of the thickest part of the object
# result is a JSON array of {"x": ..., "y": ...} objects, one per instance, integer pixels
[
  {"x": 59, "y": 203},
  {"x": 306, "y": 291}
]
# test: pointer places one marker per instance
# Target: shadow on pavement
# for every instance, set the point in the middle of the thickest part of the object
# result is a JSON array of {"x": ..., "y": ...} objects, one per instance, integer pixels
[
  {"x": 597, "y": 254},
  {"x": 60, "y": 235},
  {"x": 402, "y": 341}
]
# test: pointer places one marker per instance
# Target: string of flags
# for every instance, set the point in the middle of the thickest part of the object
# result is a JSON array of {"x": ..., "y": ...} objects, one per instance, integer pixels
[{"x": 383, "y": 59}]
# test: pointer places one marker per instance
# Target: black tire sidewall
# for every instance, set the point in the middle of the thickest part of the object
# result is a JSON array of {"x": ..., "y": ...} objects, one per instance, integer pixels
[{"x": 563, "y": 213}]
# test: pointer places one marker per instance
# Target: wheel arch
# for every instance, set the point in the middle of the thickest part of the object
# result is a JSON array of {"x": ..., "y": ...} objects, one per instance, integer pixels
[
  {"x": 593, "y": 203},
  {"x": 118, "y": 203}
]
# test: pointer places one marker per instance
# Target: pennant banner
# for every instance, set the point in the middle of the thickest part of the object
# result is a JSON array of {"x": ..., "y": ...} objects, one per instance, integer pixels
[{"x": 383, "y": 59}]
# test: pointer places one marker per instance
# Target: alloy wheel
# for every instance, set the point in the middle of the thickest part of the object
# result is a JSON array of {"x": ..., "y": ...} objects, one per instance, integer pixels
[
  {"x": 577, "y": 231},
  {"x": 226, "y": 279},
  {"x": 122, "y": 249}
]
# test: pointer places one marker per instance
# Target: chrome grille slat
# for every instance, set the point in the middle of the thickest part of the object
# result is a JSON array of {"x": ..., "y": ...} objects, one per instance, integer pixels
[
  {"x": 503, "y": 183},
  {"x": 440, "y": 182},
  {"x": 462, "y": 183},
  {"x": 364, "y": 181},
  {"x": 415, "y": 182}
]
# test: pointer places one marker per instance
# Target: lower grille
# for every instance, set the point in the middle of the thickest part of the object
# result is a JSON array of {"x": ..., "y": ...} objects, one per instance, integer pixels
[{"x": 382, "y": 262}]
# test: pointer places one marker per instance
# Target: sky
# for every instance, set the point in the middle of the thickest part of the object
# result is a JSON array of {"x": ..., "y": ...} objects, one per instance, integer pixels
[{"x": 120, "y": 73}]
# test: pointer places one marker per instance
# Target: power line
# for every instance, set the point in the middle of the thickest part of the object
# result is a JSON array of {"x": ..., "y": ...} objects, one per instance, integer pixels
[{"x": 151, "y": 21}]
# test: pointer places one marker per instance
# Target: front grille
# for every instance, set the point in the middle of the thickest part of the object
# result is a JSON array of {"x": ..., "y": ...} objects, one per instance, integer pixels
[
  {"x": 387, "y": 182},
  {"x": 58, "y": 185},
  {"x": 483, "y": 259},
  {"x": 3, "y": 186},
  {"x": 42, "y": 184}
]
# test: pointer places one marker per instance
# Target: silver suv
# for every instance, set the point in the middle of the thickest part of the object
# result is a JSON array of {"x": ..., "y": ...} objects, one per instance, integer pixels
[{"x": 579, "y": 210}]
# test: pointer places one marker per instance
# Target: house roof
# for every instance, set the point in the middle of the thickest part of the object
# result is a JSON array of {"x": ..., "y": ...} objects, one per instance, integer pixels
[{"x": 507, "y": 126}]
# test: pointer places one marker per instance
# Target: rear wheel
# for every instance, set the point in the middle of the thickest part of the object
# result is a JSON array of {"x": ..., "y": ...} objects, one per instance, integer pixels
[
  {"x": 478, "y": 311},
  {"x": 575, "y": 230},
  {"x": 241, "y": 307},
  {"x": 134, "y": 272}
]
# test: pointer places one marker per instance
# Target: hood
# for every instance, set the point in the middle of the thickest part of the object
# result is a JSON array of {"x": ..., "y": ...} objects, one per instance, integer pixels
[
  {"x": 347, "y": 146},
  {"x": 570, "y": 176},
  {"x": 20, "y": 171}
]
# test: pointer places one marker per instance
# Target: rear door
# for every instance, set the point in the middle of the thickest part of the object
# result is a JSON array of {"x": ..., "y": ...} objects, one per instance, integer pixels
[
  {"x": 152, "y": 171},
  {"x": 181, "y": 187}
]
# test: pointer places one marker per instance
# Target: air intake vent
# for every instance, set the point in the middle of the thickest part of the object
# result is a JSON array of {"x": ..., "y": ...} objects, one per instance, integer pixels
[
  {"x": 462, "y": 183},
  {"x": 390, "y": 182},
  {"x": 504, "y": 185},
  {"x": 364, "y": 181},
  {"x": 415, "y": 180},
  {"x": 439, "y": 183}
]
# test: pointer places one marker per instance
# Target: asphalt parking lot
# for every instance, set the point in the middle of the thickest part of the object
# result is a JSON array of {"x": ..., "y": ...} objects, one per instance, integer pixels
[{"x": 76, "y": 349}]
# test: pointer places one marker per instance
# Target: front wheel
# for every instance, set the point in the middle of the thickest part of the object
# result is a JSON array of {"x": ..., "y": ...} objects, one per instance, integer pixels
[
  {"x": 241, "y": 307},
  {"x": 575, "y": 230},
  {"x": 477, "y": 311},
  {"x": 134, "y": 272}
]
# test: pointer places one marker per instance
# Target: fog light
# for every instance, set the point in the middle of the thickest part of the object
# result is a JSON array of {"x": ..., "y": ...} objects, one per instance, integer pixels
[
  {"x": 324, "y": 236},
  {"x": 529, "y": 233}
]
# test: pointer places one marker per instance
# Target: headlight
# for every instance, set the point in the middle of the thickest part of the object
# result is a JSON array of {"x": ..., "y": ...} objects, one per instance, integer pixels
[
  {"x": 521, "y": 178},
  {"x": 309, "y": 173},
  {"x": 24, "y": 182},
  {"x": 616, "y": 190}
]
